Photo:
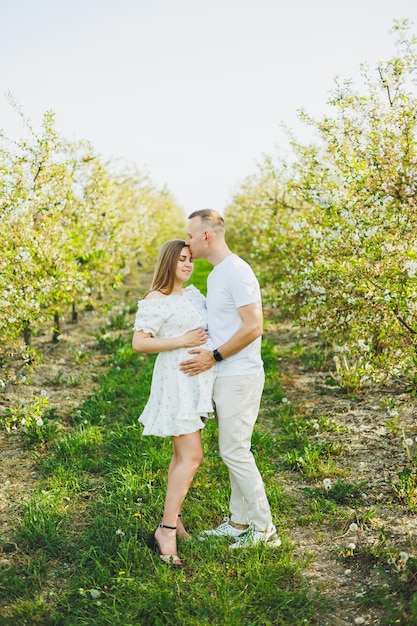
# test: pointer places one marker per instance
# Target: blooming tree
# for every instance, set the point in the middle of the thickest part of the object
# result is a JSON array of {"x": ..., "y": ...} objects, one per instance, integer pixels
[
  {"x": 70, "y": 227},
  {"x": 343, "y": 249}
]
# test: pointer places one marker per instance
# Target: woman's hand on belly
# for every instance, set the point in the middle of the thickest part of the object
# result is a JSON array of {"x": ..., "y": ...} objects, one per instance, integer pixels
[{"x": 194, "y": 338}]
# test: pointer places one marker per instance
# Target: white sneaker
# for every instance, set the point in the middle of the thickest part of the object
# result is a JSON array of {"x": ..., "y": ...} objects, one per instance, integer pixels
[
  {"x": 252, "y": 537},
  {"x": 224, "y": 530}
]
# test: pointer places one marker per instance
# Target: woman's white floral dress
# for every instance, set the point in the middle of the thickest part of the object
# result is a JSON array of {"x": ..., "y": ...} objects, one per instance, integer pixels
[{"x": 177, "y": 402}]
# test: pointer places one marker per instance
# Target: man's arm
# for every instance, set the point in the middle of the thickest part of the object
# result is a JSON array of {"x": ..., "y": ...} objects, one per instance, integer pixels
[{"x": 251, "y": 329}]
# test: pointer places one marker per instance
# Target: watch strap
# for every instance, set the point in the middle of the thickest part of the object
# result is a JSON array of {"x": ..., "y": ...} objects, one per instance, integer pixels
[{"x": 217, "y": 356}]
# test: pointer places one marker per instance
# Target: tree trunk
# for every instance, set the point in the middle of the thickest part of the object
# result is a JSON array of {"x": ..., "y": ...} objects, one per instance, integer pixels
[
  {"x": 27, "y": 334},
  {"x": 55, "y": 332}
]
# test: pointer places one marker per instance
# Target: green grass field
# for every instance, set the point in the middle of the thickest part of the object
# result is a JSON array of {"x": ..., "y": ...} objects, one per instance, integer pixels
[{"x": 83, "y": 533}]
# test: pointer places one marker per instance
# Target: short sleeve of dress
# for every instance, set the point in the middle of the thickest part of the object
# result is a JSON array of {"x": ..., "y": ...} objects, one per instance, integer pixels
[{"x": 150, "y": 316}]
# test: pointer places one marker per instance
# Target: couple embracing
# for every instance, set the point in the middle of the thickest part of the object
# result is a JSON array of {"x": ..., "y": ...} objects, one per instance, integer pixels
[{"x": 198, "y": 372}]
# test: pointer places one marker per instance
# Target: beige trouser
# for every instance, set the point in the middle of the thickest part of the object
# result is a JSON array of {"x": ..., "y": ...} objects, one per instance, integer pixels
[{"x": 237, "y": 400}]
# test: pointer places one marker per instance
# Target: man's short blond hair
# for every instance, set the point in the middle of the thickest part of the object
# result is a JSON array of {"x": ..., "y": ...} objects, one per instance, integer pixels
[{"x": 210, "y": 220}]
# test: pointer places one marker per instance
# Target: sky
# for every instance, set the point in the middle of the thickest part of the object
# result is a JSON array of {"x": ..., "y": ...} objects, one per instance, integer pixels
[{"x": 193, "y": 92}]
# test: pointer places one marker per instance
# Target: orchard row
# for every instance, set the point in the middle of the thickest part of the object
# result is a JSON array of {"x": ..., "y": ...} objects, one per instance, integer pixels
[
  {"x": 332, "y": 233},
  {"x": 71, "y": 226}
]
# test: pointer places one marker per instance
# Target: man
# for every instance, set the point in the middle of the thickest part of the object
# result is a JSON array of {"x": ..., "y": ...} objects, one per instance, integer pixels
[{"x": 235, "y": 326}]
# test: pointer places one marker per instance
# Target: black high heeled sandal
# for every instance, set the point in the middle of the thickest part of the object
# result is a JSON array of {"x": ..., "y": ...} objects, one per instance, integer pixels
[{"x": 153, "y": 544}]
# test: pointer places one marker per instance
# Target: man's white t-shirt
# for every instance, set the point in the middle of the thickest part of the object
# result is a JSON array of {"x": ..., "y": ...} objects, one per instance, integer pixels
[{"x": 230, "y": 285}]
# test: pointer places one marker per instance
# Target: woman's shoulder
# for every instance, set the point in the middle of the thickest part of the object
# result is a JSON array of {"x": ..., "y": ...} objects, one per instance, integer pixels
[
  {"x": 154, "y": 295},
  {"x": 153, "y": 300}
]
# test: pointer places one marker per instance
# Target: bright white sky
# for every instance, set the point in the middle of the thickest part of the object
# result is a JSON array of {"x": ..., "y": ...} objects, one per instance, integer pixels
[{"x": 192, "y": 91}]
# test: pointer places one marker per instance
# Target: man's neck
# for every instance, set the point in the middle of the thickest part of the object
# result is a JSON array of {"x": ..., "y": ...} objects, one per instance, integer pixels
[{"x": 218, "y": 255}]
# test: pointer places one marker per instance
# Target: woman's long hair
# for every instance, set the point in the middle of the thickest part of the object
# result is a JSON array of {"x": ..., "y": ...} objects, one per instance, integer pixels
[{"x": 166, "y": 265}]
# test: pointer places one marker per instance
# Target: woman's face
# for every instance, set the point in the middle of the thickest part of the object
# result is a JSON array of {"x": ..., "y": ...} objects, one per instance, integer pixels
[{"x": 185, "y": 265}]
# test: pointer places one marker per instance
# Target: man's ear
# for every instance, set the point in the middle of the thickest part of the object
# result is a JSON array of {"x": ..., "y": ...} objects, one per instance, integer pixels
[{"x": 207, "y": 236}]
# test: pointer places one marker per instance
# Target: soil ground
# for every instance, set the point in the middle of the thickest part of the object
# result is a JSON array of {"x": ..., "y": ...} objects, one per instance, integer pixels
[{"x": 372, "y": 452}]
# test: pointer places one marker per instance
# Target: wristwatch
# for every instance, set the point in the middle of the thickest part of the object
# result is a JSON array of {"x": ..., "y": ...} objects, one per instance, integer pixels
[{"x": 217, "y": 356}]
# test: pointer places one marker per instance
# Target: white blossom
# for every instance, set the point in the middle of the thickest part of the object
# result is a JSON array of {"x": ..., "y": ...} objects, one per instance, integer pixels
[
  {"x": 23, "y": 256},
  {"x": 362, "y": 344},
  {"x": 411, "y": 268}
]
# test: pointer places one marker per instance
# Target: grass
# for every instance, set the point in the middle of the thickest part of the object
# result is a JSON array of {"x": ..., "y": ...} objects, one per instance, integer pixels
[
  {"x": 199, "y": 277},
  {"x": 82, "y": 537},
  {"x": 81, "y": 556}
]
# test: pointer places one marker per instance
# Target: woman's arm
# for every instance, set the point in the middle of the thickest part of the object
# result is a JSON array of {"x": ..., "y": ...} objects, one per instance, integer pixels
[{"x": 146, "y": 343}]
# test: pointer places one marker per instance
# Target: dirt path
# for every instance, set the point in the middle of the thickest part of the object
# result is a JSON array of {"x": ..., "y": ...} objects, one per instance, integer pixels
[{"x": 372, "y": 452}]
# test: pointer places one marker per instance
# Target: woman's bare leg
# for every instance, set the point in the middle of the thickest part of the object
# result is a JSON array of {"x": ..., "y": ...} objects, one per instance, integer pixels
[
  {"x": 181, "y": 532},
  {"x": 187, "y": 454}
]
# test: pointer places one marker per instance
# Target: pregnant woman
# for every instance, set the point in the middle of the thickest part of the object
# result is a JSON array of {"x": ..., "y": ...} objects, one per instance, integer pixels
[{"x": 171, "y": 319}]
